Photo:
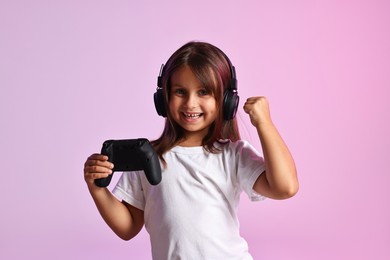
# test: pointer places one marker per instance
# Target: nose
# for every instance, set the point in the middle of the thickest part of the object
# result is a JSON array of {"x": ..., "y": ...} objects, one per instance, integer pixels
[{"x": 191, "y": 101}]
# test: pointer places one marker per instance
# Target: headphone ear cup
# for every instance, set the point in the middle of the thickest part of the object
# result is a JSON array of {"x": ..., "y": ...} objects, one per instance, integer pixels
[
  {"x": 230, "y": 104},
  {"x": 159, "y": 102}
]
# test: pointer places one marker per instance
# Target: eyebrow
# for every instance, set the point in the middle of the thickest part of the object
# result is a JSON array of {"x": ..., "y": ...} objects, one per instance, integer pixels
[{"x": 177, "y": 85}]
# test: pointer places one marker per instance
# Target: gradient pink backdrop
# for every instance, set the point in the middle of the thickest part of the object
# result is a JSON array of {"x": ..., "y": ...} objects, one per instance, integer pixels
[{"x": 74, "y": 73}]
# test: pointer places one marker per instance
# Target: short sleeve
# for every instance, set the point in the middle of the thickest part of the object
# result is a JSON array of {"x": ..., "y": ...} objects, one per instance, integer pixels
[
  {"x": 250, "y": 165},
  {"x": 129, "y": 189}
]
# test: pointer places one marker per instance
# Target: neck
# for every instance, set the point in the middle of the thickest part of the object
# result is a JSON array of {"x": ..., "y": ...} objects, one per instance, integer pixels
[
  {"x": 189, "y": 142},
  {"x": 193, "y": 138}
]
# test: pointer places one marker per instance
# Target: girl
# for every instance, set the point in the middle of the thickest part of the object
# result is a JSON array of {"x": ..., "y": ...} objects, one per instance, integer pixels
[{"x": 192, "y": 213}]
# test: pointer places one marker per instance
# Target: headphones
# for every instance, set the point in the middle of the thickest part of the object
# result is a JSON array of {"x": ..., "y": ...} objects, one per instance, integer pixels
[{"x": 230, "y": 97}]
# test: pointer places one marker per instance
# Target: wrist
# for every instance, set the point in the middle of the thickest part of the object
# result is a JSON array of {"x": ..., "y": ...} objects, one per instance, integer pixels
[
  {"x": 264, "y": 124},
  {"x": 93, "y": 188}
]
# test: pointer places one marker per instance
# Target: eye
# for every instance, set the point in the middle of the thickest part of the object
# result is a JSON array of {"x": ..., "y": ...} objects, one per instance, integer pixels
[
  {"x": 204, "y": 92},
  {"x": 179, "y": 91}
]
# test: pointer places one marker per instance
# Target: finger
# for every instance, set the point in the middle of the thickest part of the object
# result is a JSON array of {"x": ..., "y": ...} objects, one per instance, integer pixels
[
  {"x": 248, "y": 110},
  {"x": 94, "y": 176},
  {"x": 247, "y": 106},
  {"x": 98, "y": 159},
  {"x": 255, "y": 98},
  {"x": 99, "y": 163},
  {"x": 250, "y": 103},
  {"x": 97, "y": 156},
  {"x": 96, "y": 169},
  {"x": 251, "y": 99}
]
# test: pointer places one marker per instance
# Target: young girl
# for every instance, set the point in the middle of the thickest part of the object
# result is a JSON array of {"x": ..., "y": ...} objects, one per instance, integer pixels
[{"x": 192, "y": 213}]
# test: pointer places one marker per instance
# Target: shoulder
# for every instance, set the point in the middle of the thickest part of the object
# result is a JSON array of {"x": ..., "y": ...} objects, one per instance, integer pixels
[
  {"x": 236, "y": 146},
  {"x": 242, "y": 151}
]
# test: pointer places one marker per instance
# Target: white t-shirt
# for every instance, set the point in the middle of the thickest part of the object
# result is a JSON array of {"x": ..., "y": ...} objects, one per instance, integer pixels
[{"x": 192, "y": 214}]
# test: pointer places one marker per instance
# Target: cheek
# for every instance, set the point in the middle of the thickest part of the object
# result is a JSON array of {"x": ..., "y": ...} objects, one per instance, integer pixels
[
  {"x": 173, "y": 105},
  {"x": 170, "y": 106},
  {"x": 213, "y": 104}
]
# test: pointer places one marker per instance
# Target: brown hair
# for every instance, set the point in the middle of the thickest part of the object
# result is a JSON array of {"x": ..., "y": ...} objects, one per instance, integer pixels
[{"x": 211, "y": 67}]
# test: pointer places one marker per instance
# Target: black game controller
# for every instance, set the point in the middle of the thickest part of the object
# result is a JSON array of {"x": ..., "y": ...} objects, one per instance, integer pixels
[{"x": 131, "y": 155}]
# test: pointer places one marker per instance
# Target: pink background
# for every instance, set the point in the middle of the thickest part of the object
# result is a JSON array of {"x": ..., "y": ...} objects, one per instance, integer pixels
[{"x": 74, "y": 73}]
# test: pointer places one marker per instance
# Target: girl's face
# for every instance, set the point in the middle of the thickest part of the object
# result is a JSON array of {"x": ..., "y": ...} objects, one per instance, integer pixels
[{"x": 192, "y": 106}]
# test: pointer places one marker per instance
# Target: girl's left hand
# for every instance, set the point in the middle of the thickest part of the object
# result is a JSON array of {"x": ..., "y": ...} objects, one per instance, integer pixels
[{"x": 258, "y": 110}]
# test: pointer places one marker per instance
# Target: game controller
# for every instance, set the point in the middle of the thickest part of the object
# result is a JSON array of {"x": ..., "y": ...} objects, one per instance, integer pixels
[{"x": 131, "y": 155}]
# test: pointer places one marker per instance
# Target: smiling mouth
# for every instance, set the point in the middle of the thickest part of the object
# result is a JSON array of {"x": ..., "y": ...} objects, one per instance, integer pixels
[{"x": 192, "y": 115}]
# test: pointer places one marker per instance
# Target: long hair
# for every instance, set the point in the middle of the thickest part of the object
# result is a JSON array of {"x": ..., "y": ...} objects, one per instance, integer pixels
[{"x": 209, "y": 64}]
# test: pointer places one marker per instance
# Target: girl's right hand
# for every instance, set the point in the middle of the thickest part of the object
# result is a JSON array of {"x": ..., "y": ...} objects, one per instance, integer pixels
[{"x": 95, "y": 167}]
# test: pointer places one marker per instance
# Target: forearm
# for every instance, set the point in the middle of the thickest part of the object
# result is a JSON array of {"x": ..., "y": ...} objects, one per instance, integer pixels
[
  {"x": 115, "y": 213},
  {"x": 280, "y": 171}
]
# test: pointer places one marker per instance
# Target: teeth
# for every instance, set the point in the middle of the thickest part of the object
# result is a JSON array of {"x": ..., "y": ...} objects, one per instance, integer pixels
[{"x": 192, "y": 115}]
